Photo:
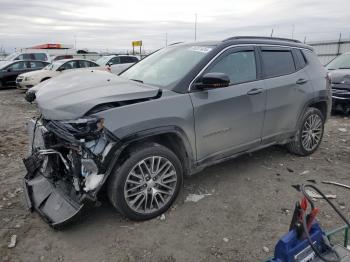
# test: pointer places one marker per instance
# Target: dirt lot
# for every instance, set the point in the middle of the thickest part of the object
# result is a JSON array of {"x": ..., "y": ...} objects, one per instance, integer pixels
[{"x": 248, "y": 205}]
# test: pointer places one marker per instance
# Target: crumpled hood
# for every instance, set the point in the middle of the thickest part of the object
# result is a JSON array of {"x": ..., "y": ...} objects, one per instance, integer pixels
[
  {"x": 71, "y": 95},
  {"x": 340, "y": 76}
]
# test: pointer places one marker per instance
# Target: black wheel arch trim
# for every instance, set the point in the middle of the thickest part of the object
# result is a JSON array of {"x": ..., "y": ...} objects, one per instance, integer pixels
[{"x": 312, "y": 101}]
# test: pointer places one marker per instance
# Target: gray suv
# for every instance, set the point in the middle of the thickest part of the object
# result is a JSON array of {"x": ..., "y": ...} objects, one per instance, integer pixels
[{"x": 179, "y": 110}]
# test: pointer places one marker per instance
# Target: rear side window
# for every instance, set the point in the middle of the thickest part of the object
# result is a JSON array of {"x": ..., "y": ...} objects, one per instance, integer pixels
[
  {"x": 300, "y": 59},
  {"x": 277, "y": 62},
  {"x": 36, "y": 64},
  {"x": 239, "y": 66},
  {"x": 40, "y": 56}
]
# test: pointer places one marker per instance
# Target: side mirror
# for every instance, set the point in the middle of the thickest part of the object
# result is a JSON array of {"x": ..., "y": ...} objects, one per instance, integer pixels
[
  {"x": 213, "y": 80},
  {"x": 61, "y": 69},
  {"x": 109, "y": 64},
  {"x": 9, "y": 69}
]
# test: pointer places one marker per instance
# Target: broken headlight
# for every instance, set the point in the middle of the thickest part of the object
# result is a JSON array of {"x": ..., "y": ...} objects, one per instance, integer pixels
[{"x": 85, "y": 128}]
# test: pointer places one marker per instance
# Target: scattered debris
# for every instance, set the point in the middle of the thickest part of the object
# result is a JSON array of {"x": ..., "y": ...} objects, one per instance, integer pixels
[
  {"x": 162, "y": 217},
  {"x": 12, "y": 241},
  {"x": 342, "y": 207},
  {"x": 342, "y": 129},
  {"x": 278, "y": 174},
  {"x": 336, "y": 184},
  {"x": 195, "y": 197},
  {"x": 304, "y": 172},
  {"x": 285, "y": 211},
  {"x": 311, "y": 180},
  {"x": 328, "y": 159},
  {"x": 266, "y": 249},
  {"x": 315, "y": 195},
  {"x": 225, "y": 239},
  {"x": 290, "y": 170}
]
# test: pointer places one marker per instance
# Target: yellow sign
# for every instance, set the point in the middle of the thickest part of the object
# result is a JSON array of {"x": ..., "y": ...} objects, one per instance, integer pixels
[{"x": 136, "y": 43}]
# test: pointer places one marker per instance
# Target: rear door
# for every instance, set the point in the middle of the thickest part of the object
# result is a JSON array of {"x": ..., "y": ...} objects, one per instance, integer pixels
[
  {"x": 230, "y": 119},
  {"x": 13, "y": 70},
  {"x": 287, "y": 87}
]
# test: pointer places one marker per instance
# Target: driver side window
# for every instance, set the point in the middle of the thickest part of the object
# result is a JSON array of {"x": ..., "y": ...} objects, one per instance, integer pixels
[{"x": 239, "y": 66}]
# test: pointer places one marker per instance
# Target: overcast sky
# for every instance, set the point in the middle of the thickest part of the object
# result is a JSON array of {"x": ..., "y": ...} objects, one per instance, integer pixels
[{"x": 112, "y": 25}]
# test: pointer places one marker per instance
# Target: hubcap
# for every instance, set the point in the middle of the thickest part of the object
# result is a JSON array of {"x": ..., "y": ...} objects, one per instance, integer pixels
[
  {"x": 312, "y": 132},
  {"x": 150, "y": 184}
]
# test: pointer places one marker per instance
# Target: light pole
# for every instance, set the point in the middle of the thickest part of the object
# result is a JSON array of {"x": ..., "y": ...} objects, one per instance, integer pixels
[{"x": 195, "y": 27}]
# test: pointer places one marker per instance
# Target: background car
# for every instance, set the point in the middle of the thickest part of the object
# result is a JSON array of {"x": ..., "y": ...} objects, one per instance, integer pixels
[
  {"x": 40, "y": 56},
  {"x": 116, "y": 59},
  {"x": 60, "y": 57},
  {"x": 117, "y": 63},
  {"x": 11, "y": 69},
  {"x": 339, "y": 73},
  {"x": 31, "y": 79}
]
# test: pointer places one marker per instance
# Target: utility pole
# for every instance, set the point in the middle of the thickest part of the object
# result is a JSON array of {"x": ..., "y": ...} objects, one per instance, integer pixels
[
  {"x": 166, "y": 39},
  {"x": 271, "y": 33},
  {"x": 338, "y": 52},
  {"x": 195, "y": 27},
  {"x": 75, "y": 42},
  {"x": 293, "y": 28},
  {"x": 304, "y": 39}
]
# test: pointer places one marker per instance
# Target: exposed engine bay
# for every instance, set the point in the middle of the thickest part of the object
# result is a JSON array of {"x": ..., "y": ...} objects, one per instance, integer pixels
[{"x": 67, "y": 166}]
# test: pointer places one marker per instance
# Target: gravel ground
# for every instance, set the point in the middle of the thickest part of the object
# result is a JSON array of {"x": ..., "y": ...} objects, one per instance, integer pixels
[{"x": 246, "y": 209}]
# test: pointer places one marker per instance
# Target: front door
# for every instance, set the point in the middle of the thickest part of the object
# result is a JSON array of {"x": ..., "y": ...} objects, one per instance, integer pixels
[{"x": 230, "y": 119}]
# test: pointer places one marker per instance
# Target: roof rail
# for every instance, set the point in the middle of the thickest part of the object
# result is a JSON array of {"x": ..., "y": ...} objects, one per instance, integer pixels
[
  {"x": 175, "y": 43},
  {"x": 261, "y": 37}
]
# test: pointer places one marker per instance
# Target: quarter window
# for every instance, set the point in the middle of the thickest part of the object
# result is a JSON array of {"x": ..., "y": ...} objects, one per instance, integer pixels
[
  {"x": 239, "y": 66},
  {"x": 277, "y": 62}
]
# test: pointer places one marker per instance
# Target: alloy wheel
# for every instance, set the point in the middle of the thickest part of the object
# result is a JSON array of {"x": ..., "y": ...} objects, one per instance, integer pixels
[
  {"x": 312, "y": 132},
  {"x": 150, "y": 184}
]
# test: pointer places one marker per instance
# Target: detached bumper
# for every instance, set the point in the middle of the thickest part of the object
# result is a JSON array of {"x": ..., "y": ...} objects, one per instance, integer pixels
[{"x": 50, "y": 201}]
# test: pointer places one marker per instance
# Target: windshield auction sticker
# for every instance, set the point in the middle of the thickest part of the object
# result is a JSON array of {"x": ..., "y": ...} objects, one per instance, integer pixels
[{"x": 202, "y": 49}]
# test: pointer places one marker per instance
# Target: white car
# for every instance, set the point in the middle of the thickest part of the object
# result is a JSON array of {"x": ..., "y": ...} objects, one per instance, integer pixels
[
  {"x": 40, "y": 56},
  {"x": 28, "y": 80},
  {"x": 117, "y": 63}
]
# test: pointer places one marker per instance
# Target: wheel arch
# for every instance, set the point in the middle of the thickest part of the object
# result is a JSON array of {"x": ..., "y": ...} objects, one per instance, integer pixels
[
  {"x": 171, "y": 137},
  {"x": 44, "y": 79},
  {"x": 321, "y": 103}
]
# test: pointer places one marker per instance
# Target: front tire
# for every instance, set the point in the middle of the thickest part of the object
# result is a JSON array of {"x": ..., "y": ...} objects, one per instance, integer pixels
[
  {"x": 310, "y": 133},
  {"x": 146, "y": 183}
]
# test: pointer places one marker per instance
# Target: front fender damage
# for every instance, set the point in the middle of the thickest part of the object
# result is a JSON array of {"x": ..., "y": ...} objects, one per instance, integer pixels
[{"x": 65, "y": 172}]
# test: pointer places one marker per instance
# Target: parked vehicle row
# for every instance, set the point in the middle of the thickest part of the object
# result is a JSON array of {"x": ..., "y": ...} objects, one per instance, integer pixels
[
  {"x": 179, "y": 110},
  {"x": 28, "y": 80},
  {"x": 9, "y": 70}
]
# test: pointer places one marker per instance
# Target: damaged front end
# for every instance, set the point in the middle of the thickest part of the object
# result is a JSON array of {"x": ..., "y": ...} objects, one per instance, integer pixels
[{"x": 68, "y": 164}]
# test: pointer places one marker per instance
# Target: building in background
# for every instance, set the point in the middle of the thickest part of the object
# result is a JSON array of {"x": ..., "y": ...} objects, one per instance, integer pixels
[{"x": 328, "y": 50}]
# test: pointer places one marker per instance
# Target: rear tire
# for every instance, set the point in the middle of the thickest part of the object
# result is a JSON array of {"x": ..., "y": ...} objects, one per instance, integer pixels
[
  {"x": 146, "y": 183},
  {"x": 309, "y": 134}
]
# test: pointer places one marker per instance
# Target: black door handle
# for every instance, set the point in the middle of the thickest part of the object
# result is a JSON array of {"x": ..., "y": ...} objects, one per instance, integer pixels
[
  {"x": 255, "y": 91},
  {"x": 301, "y": 81}
]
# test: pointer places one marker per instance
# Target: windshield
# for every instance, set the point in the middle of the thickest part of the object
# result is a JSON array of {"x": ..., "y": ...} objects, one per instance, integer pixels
[
  {"x": 103, "y": 60},
  {"x": 54, "y": 65},
  {"x": 166, "y": 67},
  {"x": 11, "y": 57},
  {"x": 341, "y": 62}
]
